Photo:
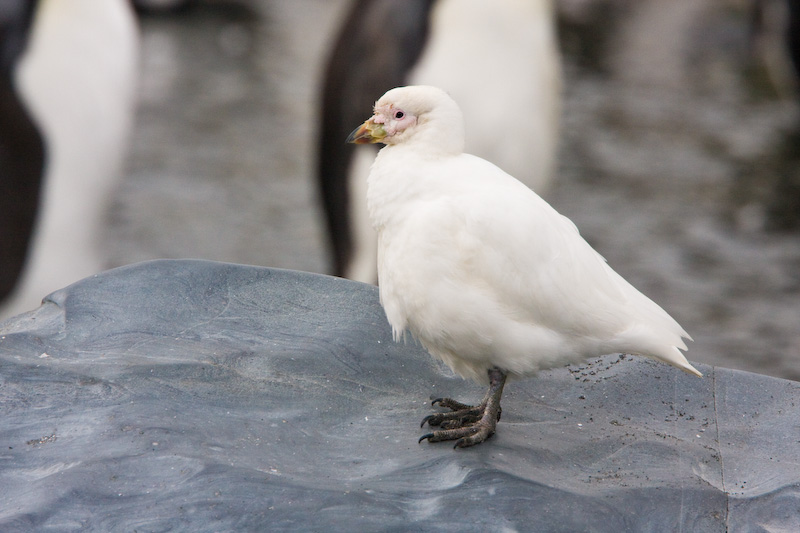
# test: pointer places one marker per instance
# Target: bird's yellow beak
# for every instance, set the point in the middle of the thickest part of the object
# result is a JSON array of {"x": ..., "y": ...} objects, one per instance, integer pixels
[{"x": 368, "y": 132}]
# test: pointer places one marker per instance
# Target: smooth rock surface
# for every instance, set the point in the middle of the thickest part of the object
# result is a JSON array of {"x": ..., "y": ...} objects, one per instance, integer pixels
[{"x": 201, "y": 396}]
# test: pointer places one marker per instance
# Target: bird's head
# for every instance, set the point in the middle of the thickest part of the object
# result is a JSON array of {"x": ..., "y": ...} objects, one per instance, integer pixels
[{"x": 419, "y": 113}]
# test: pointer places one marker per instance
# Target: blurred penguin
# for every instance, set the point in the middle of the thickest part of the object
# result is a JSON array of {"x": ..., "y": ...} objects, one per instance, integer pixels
[
  {"x": 488, "y": 56},
  {"x": 76, "y": 76},
  {"x": 21, "y": 150},
  {"x": 775, "y": 42}
]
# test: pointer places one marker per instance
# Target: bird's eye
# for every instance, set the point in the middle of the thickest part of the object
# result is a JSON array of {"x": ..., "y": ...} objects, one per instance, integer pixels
[{"x": 398, "y": 115}]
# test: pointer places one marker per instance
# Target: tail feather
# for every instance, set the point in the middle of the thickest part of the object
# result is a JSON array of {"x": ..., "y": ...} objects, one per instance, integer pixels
[{"x": 673, "y": 356}]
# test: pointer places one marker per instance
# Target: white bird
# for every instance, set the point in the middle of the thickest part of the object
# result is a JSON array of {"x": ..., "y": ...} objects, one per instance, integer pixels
[{"x": 484, "y": 273}]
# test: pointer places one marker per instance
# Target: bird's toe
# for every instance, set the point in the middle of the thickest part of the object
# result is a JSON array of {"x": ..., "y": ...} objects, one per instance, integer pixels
[
  {"x": 454, "y": 419},
  {"x": 453, "y": 405},
  {"x": 478, "y": 437},
  {"x": 449, "y": 434}
]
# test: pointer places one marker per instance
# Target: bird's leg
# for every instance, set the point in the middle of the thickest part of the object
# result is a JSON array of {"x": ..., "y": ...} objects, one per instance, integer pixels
[{"x": 471, "y": 425}]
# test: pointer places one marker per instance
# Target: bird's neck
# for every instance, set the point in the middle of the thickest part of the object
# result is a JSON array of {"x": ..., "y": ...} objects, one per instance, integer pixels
[
  {"x": 439, "y": 141},
  {"x": 401, "y": 176}
]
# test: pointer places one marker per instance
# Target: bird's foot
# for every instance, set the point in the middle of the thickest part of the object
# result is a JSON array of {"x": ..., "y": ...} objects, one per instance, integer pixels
[
  {"x": 461, "y": 415},
  {"x": 466, "y": 424}
]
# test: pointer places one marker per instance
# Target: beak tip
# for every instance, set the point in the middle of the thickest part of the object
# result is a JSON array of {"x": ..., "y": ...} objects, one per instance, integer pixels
[
  {"x": 364, "y": 134},
  {"x": 357, "y": 137},
  {"x": 360, "y": 135}
]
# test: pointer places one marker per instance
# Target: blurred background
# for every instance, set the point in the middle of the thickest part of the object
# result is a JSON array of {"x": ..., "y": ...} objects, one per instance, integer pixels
[{"x": 677, "y": 151}]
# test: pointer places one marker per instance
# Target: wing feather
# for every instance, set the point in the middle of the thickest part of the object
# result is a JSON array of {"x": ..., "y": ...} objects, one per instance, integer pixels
[{"x": 534, "y": 264}]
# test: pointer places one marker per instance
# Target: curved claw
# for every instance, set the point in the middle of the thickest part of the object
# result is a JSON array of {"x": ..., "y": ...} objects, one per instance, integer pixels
[
  {"x": 437, "y": 400},
  {"x": 426, "y": 436},
  {"x": 427, "y": 419}
]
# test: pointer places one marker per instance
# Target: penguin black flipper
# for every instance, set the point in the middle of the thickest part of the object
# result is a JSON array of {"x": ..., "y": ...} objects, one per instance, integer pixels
[{"x": 22, "y": 149}]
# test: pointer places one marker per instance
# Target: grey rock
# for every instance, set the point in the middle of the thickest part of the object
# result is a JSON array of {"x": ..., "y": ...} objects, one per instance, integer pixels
[{"x": 201, "y": 396}]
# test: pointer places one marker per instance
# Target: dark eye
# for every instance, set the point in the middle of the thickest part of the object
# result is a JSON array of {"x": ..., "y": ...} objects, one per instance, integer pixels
[{"x": 398, "y": 115}]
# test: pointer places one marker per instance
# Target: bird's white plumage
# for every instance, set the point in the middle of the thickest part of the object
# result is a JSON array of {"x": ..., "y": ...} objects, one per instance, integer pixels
[{"x": 483, "y": 271}]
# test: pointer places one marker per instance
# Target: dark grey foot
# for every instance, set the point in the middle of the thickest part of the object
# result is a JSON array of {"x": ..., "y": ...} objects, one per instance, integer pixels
[
  {"x": 466, "y": 424},
  {"x": 462, "y": 415},
  {"x": 467, "y": 427}
]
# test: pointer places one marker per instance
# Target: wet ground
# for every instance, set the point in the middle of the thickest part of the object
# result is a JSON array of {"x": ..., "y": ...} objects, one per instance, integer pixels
[{"x": 673, "y": 158}]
